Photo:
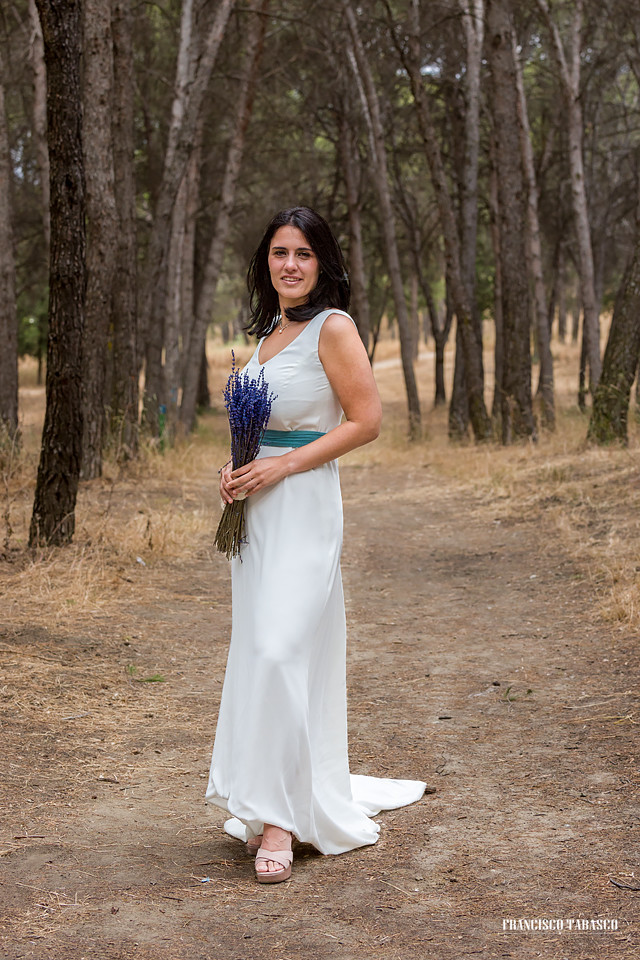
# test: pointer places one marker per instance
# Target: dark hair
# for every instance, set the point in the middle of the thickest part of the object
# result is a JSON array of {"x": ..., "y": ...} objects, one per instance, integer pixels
[{"x": 331, "y": 290}]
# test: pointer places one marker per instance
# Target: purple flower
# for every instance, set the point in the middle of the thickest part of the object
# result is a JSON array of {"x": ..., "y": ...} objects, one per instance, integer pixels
[{"x": 248, "y": 404}]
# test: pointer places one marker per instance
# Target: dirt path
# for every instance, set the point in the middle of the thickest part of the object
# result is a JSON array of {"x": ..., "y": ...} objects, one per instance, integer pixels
[{"x": 476, "y": 662}]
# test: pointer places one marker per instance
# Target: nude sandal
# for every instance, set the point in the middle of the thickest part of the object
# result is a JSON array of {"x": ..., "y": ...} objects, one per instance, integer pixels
[
  {"x": 254, "y": 844},
  {"x": 283, "y": 857}
]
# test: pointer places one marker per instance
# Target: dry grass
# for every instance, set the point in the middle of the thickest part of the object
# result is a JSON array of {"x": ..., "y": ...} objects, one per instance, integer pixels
[
  {"x": 130, "y": 519},
  {"x": 585, "y": 500}
]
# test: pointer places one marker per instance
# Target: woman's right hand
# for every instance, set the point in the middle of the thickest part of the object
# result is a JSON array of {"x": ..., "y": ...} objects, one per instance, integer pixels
[{"x": 225, "y": 477}]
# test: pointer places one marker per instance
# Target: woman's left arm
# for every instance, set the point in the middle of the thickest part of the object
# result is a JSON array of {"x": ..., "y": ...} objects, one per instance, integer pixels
[{"x": 347, "y": 366}]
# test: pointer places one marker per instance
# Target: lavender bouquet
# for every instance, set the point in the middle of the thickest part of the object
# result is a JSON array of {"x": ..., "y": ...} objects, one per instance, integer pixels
[{"x": 248, "y": 404}]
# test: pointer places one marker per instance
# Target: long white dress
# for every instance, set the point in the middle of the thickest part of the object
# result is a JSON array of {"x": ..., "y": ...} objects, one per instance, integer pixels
[{"x": 280, "y": 752}]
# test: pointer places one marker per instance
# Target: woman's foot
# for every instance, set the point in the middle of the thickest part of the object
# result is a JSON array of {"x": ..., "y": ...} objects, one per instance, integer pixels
[
  {"x": 254, "y": 844},
  {"x": 277, "y": 841}
]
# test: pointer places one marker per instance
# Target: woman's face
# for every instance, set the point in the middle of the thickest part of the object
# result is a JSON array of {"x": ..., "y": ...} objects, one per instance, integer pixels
[{"x": 293, "y": 266}]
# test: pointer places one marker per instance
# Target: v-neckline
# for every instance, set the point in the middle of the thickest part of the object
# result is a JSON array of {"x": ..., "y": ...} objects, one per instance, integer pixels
[{"x": 286, "y": 346}]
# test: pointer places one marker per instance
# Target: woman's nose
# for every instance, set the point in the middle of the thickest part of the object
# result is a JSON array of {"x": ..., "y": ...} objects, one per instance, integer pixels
[{"x": 291, "y": 260}]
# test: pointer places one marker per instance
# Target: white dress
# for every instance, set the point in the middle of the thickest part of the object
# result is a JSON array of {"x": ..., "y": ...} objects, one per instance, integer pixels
[{"x": 280, "y": 752}]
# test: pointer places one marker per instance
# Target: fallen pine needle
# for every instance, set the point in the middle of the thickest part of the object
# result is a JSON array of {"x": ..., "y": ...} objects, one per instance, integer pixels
[{"x": 407, "y": 893}]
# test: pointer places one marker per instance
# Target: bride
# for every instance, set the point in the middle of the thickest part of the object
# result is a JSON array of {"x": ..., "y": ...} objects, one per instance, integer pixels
[{"x": 280, "y": 764}]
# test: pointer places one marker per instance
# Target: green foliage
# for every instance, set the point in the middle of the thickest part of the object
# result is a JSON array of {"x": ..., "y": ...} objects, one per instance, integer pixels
[
  {"x": 305, "y": 91},
  {"x": 32, "y": 333}
]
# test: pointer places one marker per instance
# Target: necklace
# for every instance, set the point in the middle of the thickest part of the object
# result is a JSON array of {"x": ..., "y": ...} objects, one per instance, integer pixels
[{"x": 283, "y": 326}]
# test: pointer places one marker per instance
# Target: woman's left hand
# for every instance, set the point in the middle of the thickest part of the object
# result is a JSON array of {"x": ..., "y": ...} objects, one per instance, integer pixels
[{"x": 257, "y": 475}]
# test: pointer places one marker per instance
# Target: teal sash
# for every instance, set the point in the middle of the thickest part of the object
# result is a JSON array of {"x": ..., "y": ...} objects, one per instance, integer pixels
[{"x": 289, "y": 438}]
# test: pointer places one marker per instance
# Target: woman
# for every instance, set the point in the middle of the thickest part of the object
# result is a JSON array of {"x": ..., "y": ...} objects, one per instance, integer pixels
[{"x": 280, "y": 764}]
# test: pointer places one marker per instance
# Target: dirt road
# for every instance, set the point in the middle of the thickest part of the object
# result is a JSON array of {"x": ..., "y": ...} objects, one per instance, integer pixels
[{"x": 476, "y": 663}]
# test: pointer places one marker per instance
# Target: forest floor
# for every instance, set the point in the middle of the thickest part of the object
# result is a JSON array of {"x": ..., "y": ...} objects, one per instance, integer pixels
[{"x": 492, "y": 603}]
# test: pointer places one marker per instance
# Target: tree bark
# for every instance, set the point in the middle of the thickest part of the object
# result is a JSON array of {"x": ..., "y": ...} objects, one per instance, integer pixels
[
  {"x": 558, "y": 295},
  {"x": 570, "y": 83},
  {"x": 36, "y": 56},
  {"x": 414, "y": 314},
  {"x": 187, "y": 271},
  {"x": 53, "y": 518},
  {"x": 371, "y": 109},
  {"x": 473, "y": 25},
  {"x": 562, "y": 298},
  {"x": 172, "y": 317},
  {"x": 192, "y": 80},
  {"x": 202, "y": 318},
  {"x": 534, "y": 254},
  {"x": 414, "y": 231},
  {"x": 157, "y": 307},
  {"x": 516, "y": 406},
  {"x": 203, "y": 398},
  {"x": 360, "y": 301},
  {"x": 610, "y": 413},
  {"x": 440, "y": 398},
  {"x": 494, "y": 220},
  {"x": 8, "y": 314},
  {"x": 472, "y": 353},
  {"x": 101, "y": 225},
  {"x": 459, "y": 405},
  {"x": 124, "y": 313}
]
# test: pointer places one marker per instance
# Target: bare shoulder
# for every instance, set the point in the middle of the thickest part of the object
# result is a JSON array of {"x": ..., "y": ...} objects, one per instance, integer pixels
[{"x": 338, "y": 330}]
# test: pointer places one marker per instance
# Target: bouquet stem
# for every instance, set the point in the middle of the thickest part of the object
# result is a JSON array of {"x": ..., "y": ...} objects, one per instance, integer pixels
[{"x": 230, "y": 532}]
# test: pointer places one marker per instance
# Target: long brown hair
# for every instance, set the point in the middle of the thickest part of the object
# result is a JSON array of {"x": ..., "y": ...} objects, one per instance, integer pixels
[{"x": 331, "y": 290}]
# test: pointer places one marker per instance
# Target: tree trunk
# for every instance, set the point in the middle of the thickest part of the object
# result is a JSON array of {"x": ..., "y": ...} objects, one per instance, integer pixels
[
  {"x": 124, "y": 315},
  {"x": 441, "y": 336},
  {"x": 187, "y": 270},
  {"x": 472, "y": 21},
  {"x": 534, "y": 254},
  {"x": 517, "y": 413},
  {"x": 562, "y": 300},
  {"x": 172, "y": 316},
  {"x": 8, "y": 314},
  {"x": 371, "y": 109},
  {"x": 431, "y": 319},
  {"x": 494, "y": 219},
  {"x": 459, "y": 406},
  {"x": 36, "y": 55},
  {"x": 156, "y": 308},
  {"x": 582, "y": 374},
  {"x": 203, "y": 399},
  {"x": 558, "y": 295},
  {"x": 255, "y": 43},
  {"x": 359, "y": 299},
  {"x": 610, "y": 411},
  {"x": 191, "y": 86},
  {"x": 472, "y": 351},
  {"x": 101, "y": 225},
  {"x": 440, "y": 398},
  {"x": 473, "y": 24},
  {"x": 570, "y": 83},
  {"x": 53, "y": 518},
  {"x": 414, "y": 315},
  {"x": 575, "y": 322}
]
